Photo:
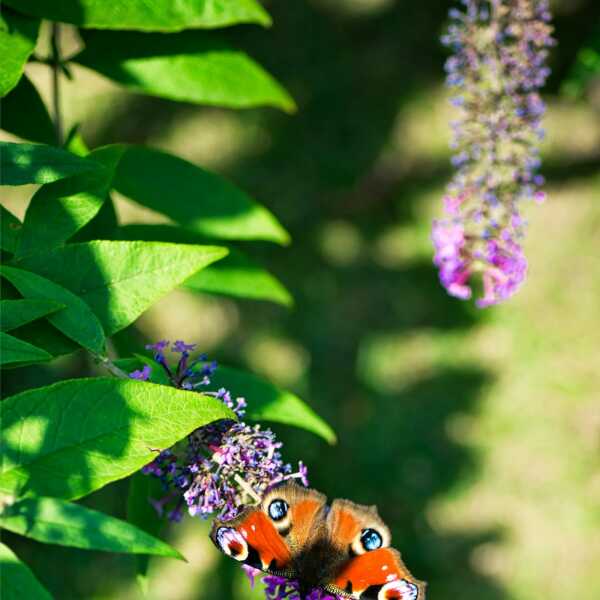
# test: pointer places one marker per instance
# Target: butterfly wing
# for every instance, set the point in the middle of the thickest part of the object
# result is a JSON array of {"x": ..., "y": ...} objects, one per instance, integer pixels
[
  {"x": 377, "y": 575},
  {"x": 268, "y": 536},
  {"x": 252, "y": 539},
  {"x": 373, "y": 570}
]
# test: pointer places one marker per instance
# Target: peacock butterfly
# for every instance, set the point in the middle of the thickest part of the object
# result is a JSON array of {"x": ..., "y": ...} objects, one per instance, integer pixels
[{"x": 342, "y": 549}]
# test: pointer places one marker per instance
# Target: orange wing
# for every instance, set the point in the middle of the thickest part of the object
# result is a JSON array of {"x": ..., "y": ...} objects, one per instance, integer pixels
[
  {"x": 377, "y": 575},
  {"x": 253, "y": 540}
]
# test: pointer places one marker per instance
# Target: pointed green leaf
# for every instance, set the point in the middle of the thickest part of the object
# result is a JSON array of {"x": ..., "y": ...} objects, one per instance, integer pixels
[
  {"x": 59, "y": 209},
  {"x": 10, "y": 230},
  {"x": 38, "y": 163},
  {"x": 104, "y": 223},
  {"x": 120, "y": 280},
  {"x": 235, "y": 275},
  {"x": 24, "y": 114},
  {"x": 238, "y": 276},
  {"x": 18, "y": 582},
  {"x": 14, "y": 313},
  {"x": 14, "y": 351},
  {"x": 196, "y": 199},
  {"x": 76, "y": 321},
  {"x": 187, "y": 66},
  {"x": 47, "y": 337},
  {"x": 102, "y": 227},
  {"x": 71, "y": 438},
  {"x": 266, "y": 402},
  {"x": 55, "y": 521},
  {"x": 158, "y": 15},
  {"x": 18, "y": 36}
]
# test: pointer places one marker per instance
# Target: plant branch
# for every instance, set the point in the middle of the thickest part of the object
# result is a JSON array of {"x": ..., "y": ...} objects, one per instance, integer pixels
[
  {"x": 56, "y": 69},
  {"x": 110, "y": 366}
]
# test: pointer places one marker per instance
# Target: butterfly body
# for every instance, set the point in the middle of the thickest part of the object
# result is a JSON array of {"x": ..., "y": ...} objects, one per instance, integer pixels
[{"x": 342, "y": 548}]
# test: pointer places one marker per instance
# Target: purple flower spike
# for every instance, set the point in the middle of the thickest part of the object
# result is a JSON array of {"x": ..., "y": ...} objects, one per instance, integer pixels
[
  {"x": 499, "y": 50},
  {"x": 206, "y": 478}
]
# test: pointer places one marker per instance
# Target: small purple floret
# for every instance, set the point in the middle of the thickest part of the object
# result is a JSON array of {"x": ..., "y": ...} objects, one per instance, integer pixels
[
  {"x": 180, "y": 346},
  {"x": 143, "y": 374}
]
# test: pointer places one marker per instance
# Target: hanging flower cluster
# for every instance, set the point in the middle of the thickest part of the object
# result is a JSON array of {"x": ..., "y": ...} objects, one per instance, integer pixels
[
  {"x": 223, "y": 464},
  {"x": 498, "y": 64}
]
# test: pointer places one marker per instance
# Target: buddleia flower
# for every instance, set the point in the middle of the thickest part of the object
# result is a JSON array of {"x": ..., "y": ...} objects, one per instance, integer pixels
[
  {"x": 497, "y": 67},
  {"x": 223, "y": 465}
]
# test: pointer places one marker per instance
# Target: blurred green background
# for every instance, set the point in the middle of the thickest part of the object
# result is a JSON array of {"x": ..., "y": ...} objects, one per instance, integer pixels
[{"x": 476, "y": 433}]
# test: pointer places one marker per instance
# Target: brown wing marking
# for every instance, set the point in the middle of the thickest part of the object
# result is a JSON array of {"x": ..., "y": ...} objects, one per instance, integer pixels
[
  {"x": 306, "y": 513},
  {"x": 346, "y": 520}
]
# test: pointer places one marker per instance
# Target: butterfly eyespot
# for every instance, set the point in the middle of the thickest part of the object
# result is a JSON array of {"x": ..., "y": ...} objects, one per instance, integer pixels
[
  {"x": 400, "y": 589},
  {"x": 232, "y": 543},
  {"x": 278, "y": 510},
  {"x": 370, "y": 539}
]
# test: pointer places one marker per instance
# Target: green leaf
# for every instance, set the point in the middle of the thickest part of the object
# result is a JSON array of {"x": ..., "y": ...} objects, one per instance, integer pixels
[
  {"x": 14, "y": 351},
  {"x": 102, "y": 227},
  {"x": 75, "y": 143},
  {"x": 238, "y": 276},
  {"x": 58, "y": 210},
  {"x": 47, "y": 337},
  {"x": 18, "y": 36},
  {"x": 235, "y": 275},
  {"x": 18, "y": 582},
  {"x": 24, "y": 114},
  {"x": 38, "y": 163},
  {"x": 267, "y": 402},
  {"x": 71, "y": 438},
  {"x": 14, "y": 313},
  {"x": 158, "y": 15},
  {"x": 76, "y": 321},
  {"x": 55, "y": 521},
  {"x": 10, "y": 230},
  {"x": 188, "y": 66},
  {"x": 120, "y": 280},
  {"x": 196, "y": 199}
]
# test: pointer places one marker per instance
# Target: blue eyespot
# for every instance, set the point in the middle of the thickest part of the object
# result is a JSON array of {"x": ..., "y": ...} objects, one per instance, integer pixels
[
  {"x": 370, "y": 539},
  {"x": 278, "y": 510}
]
